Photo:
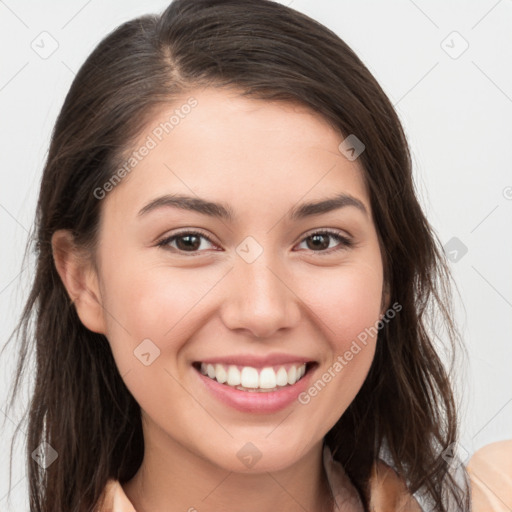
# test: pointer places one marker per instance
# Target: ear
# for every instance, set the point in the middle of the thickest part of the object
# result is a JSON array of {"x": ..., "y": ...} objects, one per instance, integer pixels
[{"x": 80, "y": 280}]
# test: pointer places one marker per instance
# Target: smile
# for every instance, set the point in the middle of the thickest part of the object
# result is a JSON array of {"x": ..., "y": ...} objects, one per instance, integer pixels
[
  {"x": 263, "y": 390},
  {"x": 248, "y": 378}
]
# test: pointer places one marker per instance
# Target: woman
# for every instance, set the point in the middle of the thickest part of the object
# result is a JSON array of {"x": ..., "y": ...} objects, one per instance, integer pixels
[{"x": 233, "y": 281}]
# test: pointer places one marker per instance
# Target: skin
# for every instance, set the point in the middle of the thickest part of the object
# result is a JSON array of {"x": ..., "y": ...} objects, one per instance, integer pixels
[
  {"x": 261, "y": 158},
  {"x": 490, "y": 470}
]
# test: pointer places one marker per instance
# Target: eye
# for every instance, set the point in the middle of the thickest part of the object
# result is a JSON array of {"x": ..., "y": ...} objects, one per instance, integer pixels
[
  {"x": 190, "y": 242},
  {"x": 186, "y": 241},
  {"x": 320, "y": 241}
]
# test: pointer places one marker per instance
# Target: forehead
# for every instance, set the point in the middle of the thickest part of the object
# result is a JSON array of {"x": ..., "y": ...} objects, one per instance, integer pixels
[{"x": 215, "y": 142}]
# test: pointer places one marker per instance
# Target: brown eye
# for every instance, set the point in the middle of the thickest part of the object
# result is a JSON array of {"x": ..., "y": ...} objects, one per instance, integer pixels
[
  {"x": 320, "y": 241},
  {"x": 186, "y": 241}
]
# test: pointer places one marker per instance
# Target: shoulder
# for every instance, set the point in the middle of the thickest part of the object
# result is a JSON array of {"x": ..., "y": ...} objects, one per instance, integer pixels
[
  {"x": 490, "y": 472},
  {"x": 388, "y": 491},
  {"x": 498, "y": 454}
]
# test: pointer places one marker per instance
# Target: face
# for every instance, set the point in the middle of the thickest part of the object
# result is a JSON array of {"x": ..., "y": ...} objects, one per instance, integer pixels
[{"x": 267, "y": 284}]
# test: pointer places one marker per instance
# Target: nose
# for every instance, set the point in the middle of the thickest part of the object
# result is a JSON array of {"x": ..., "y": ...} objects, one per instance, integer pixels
[{"x": 260, "y": 298}]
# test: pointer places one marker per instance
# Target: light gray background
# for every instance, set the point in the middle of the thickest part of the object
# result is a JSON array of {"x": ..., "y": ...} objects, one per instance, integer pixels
[{"x": 456, "y": 109}]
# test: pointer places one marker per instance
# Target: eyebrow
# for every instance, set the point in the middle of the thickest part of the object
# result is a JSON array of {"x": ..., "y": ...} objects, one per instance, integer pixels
[{"x": 225, "y": 212}]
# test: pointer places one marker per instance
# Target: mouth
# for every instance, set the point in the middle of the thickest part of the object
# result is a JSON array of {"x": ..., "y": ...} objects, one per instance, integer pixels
[{"x": 250, "y": 379}]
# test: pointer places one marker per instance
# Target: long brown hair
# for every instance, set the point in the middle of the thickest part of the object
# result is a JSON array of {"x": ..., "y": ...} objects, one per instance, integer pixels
[{"x": 80, "y": 405}]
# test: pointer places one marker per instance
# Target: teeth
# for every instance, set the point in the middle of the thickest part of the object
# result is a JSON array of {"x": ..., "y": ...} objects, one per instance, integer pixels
[
  {"x": 267, "y": 379},
  {"x": 220, "y": 374},
  {"x": 281, "y": 377},
  {"x": 233, "y": 376},
  {"x": 250, "y": 379},
  {"x": 292, "y": 375}
]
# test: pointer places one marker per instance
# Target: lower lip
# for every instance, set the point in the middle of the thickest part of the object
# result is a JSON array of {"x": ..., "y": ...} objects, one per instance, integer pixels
[{"x": 254, "y": 401}]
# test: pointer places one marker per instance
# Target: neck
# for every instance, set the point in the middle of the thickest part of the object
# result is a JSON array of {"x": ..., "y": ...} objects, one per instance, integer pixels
[{"x": 173, "y": 479}]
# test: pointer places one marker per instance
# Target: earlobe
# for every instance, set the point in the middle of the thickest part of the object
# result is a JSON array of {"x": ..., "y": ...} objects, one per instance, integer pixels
[{"x": 79, "y": 279}]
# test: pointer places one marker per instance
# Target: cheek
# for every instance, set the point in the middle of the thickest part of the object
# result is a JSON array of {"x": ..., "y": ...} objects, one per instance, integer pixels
[
  {"x": 348, "y": 306},
  {"x": 149, "y": 312},
  {"x": 347, "y": 301},
  {"x": 152, "y": 302}
]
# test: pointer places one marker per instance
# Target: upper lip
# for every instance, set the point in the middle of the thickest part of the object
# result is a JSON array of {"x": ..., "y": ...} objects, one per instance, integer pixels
[{"x": 256, "y": 361}]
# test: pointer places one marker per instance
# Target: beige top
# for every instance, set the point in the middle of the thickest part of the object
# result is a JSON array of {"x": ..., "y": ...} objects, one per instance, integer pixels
[
  {"x": 490, "y": 471},
  {"x": 388, "y": 491}
]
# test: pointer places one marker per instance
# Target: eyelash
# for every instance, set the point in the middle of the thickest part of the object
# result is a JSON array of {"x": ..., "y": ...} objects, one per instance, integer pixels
[{"x": 345, "y": 243}]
